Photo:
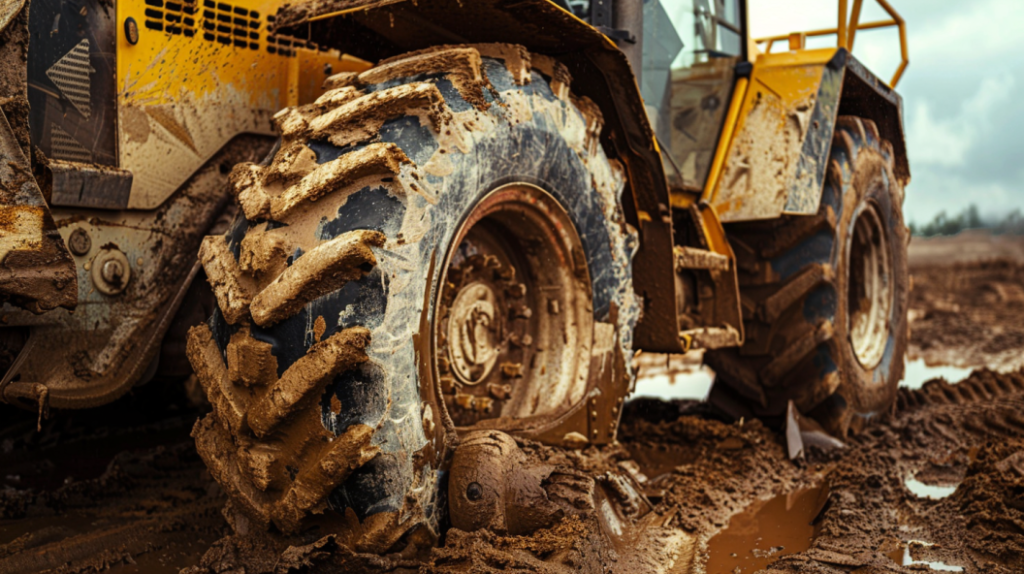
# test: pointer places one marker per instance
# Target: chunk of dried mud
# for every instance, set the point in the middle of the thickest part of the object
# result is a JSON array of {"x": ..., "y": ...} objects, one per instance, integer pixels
[
  {"x": 232, "y": 289},
  {"x": 323, "y": 270},
  {"x": 462, "y": 66}
]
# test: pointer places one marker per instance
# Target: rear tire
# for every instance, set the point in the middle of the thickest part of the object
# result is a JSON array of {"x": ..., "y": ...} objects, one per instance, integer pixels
[
  {"x": 825, "y": 297},
  {"x": 342, "y": 285}
]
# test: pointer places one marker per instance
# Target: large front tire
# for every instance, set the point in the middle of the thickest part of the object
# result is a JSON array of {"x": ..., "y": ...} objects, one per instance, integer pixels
[
  {"x": 345, "y": 352},
  {"x": 825, "y": 296}
]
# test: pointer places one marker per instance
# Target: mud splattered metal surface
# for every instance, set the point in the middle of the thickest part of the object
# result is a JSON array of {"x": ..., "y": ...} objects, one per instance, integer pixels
[
  {"x": 766, "y": 150},
  {"x": 806, "y": 183},
  {"x": 97, "y": 353},
  {"x": 36, "y": 269},
  {"x": 201, "y": 74}
]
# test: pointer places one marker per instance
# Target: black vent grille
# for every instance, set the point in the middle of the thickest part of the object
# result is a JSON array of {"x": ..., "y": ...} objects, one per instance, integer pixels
[
  {"x": 231, "y": 25},
  {"x": 284, "y": 45},
  {"x": 176, "y": 17}
]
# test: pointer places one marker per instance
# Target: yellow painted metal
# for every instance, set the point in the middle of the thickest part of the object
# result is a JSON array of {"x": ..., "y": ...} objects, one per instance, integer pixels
[
  {"x": 841, "y": 30},
  {"x": 181, "y": 97},
  {"x": 681, "y": 199},
  {"x": 902, "y": 26},
  {"x": 792, "y": 77},
  {"x": 773, "y": 116},
  {"x": 854, "y": 21},
  {"x": 714, "y": 233},
  {"x": 739, "y": 94},
  {"x": 846, "y": 31},
  {"x": 382, "y": 3},
  {"x": 360, "y": 8}
]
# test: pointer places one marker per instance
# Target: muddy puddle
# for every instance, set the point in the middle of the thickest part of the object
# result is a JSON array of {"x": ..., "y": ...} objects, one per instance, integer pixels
[
  {"x": 761, "y": 534},
  {"x": 917, "y": 373},
  {"x": 909, "y": 555},
  {"x": 670, "y": 377},
  {"x": 929, "y": 491}
]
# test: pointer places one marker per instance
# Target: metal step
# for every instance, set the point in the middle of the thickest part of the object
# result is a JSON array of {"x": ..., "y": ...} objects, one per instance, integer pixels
[
  {"x": 710, "y": 338},
  {"x": 693, "y": 258}
]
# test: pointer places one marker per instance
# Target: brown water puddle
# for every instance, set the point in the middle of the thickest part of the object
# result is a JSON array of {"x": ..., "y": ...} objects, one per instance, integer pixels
[
  {"x": 914, "y": 552},
  {"x": 761, "y": 534}
]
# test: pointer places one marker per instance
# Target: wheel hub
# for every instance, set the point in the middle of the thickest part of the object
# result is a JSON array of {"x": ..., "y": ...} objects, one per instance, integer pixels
[
  {"x": 473, "y": 345},
  {"x": 870, "y": 288},
  {"x": 513, "y": 320}
]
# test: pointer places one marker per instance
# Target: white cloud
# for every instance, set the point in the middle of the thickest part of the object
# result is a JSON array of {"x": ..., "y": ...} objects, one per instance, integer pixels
[
  {"x": 978, "y": 32},
  {"x": 771, "y": 17},
  {"x": 945, "y": 141}
]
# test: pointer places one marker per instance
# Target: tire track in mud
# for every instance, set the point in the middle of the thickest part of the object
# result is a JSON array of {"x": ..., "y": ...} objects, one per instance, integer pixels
[
  {"x": 966, "y": 434},
  {"x": 981, "y": 385}
]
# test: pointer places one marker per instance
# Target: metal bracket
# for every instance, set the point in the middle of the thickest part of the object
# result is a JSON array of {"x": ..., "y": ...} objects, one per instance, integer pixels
[
  {"x": 602, "y": 14},
  {"x": 87, "y": 185},
  {"x": 617, "y": 35}
]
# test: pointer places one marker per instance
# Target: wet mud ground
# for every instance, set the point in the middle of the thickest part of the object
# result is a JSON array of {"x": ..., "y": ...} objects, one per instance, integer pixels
[{"x": 936, "y": 485}]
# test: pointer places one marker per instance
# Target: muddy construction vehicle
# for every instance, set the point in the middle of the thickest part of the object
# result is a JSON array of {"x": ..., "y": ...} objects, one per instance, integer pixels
[{"x": 428, "y": 231}]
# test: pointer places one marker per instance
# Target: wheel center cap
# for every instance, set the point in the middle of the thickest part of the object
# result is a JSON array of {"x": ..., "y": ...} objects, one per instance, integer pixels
[{"x": 473, "y": 333}]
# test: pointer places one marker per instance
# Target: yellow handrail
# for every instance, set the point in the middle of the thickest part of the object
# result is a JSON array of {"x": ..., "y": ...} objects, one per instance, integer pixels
[{"x": 846, "y": 31}]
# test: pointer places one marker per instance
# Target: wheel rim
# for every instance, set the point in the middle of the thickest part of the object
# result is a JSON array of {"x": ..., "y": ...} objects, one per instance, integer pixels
[
  {"x": 870, "y": 288},
  {"x": 513, "y": 321}
]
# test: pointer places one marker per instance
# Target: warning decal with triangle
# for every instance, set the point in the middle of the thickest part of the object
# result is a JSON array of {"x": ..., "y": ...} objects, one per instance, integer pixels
[{"x": 71, "y": 74}]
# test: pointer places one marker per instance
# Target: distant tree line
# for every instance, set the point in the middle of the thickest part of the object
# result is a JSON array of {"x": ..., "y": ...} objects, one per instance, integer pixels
[{"x": 1012, "y": 223}]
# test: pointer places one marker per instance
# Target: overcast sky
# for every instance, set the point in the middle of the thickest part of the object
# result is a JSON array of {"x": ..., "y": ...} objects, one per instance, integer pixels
[{"x": 963, "y": 120}]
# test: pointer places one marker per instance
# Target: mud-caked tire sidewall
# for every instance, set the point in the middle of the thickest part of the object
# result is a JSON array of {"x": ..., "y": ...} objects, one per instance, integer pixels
[
  {"x": 866, "y": 392},
  {"x": 452, "y": 155}
]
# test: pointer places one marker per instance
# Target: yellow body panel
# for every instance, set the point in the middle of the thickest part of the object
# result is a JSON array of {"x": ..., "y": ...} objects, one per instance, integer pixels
[
  {"x": 759, "y": 161},
  {"x": 182, "y": 92}
]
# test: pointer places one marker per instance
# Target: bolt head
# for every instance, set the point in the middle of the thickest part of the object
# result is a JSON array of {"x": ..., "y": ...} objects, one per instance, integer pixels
[
  {"x": 80, "y": 243},
  {"x": 113, "y": 272}
]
